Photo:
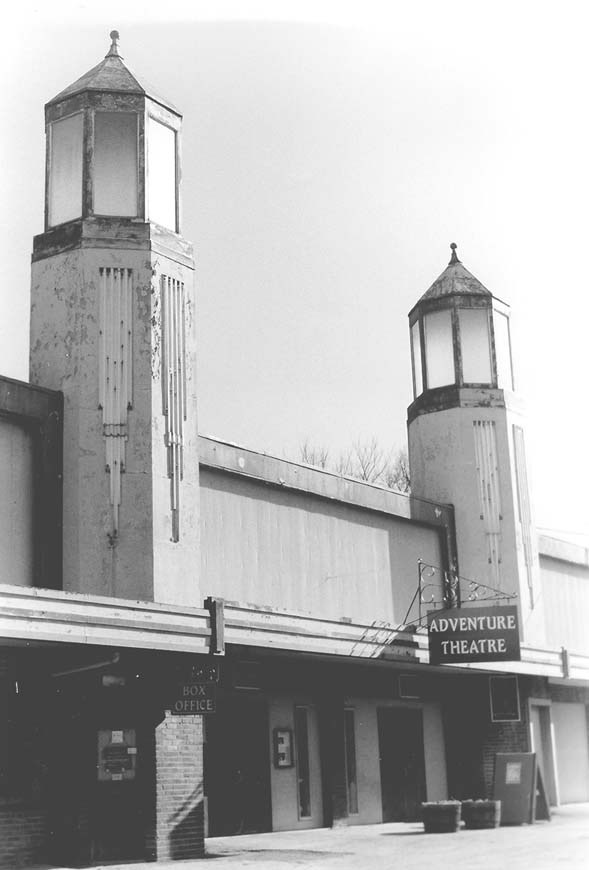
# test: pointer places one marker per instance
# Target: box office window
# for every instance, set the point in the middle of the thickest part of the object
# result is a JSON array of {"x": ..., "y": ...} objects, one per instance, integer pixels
[
  {"x": 504, "y": 698},
  {"x": 409, "y": 686}
]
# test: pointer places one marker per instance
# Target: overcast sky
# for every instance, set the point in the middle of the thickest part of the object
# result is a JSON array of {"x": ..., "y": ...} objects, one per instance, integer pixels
[{"x": 331, "y": 154}]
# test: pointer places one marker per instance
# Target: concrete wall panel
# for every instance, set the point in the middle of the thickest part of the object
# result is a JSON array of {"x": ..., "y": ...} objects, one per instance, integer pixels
[
  {"x": 292, "y": 550},
  {"x": 16, "y": 505}
]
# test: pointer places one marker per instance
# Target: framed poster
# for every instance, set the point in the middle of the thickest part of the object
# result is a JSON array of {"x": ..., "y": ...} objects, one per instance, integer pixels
[
  {"x": 117, "y": 755},
  {"x": 283, "y": 754}
]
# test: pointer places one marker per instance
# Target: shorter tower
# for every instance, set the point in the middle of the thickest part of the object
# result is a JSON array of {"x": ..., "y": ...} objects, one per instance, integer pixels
[
  {"x": 112, "y": 327},
  {"x": 466, "y": 435}
]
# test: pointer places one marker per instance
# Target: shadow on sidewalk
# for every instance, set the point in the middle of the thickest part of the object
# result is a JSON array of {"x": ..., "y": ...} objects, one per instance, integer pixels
[{"x": 279, "y": 854}]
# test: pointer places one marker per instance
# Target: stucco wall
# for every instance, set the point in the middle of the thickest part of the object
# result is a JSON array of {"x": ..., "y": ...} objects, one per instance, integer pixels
[
  {"x": 445, "y": 467},
  {"x": 118, "y": 527},
  {"x": 282, "y": 548},
  {"x": 16, "y": 505}
]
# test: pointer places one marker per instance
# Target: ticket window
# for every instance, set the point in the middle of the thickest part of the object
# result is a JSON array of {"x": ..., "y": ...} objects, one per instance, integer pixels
[{"x": 117, "y": 755}]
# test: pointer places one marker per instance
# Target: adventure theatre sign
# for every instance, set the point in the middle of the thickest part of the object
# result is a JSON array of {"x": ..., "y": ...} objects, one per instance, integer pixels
[{"x": 481, "y": 634}]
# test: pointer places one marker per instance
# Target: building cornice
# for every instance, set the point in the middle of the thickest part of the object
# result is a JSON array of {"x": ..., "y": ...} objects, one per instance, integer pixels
[
  {"x": 126, "y": 234},
  {"x": 454, "y": 396},
  {"x": 234, "y": 459},
  {"x": 564, "y": 551}
]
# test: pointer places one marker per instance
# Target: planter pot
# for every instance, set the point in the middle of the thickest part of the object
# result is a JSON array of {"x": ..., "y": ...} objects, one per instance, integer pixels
[
  {"x": 481, "y": 814},
  {"x": 441, "y": 818}
]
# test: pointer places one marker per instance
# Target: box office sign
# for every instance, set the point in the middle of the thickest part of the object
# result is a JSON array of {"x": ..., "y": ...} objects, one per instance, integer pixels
[
  {"x": 195, "y": 698},
  {"x": 465, "y": 634}
]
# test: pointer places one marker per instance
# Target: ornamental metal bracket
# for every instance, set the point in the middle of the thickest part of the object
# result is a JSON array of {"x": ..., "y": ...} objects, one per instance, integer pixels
[
  {"x": 446, "y": 589},
  {"x": 436, "y": 588}
]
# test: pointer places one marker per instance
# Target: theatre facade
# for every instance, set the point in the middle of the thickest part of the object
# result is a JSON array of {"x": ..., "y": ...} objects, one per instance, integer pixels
[{"x": 197, "y": 639}]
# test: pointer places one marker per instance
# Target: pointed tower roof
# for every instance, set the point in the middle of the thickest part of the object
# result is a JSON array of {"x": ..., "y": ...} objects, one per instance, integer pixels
[
  {"x": 112, "y": 75},
  {"x": 455, "y": 280}
]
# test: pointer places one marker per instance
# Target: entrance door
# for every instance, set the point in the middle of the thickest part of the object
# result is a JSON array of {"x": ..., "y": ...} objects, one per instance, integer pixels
[
  {"x": 572, "y": 754},
  {"x": 542, "y": 746},
  {"x": 70, "y": 762},
  {"x": 402, "y": 766},
  {"x": 237, "y": 769}
]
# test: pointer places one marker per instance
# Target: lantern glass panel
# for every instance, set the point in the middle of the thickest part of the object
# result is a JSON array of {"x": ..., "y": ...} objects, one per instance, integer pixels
[
  {"x": 439, "y": 349},
  {"x": 417, "y": 369},
  {"x": 115, "y": 164},
  {"x": 475, "y": 345},
  {"x": 503, "y": 351},
  {"x": 65, "y": 169},
  {"x": 161, "y": 168}
]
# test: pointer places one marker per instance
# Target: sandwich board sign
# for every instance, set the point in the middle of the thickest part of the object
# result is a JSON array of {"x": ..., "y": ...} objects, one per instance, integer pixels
[{"x": 515, "y": 787}]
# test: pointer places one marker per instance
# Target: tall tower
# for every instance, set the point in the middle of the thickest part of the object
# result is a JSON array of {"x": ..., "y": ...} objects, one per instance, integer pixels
[
  {"x": 112, "y": 326},
  {"x": 466, "y": 434}
]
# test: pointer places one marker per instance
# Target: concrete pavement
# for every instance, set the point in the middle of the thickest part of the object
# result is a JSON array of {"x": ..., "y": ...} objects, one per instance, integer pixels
[{"x": 562, "y": 842}]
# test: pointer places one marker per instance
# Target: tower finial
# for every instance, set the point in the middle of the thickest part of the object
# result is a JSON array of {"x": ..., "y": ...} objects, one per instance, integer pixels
[
  {"x": 453, "y": 258},
  {"x": 114, "y": 46}
]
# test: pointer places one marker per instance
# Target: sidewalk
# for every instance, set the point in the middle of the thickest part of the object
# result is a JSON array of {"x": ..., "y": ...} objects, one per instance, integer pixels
[{"x": 561, "y": 843}]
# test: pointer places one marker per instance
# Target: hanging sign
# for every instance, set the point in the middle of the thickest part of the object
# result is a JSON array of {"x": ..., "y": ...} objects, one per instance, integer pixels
[
  {"x": 199, "y": 698},
  {"x": 469, "y": 634}
]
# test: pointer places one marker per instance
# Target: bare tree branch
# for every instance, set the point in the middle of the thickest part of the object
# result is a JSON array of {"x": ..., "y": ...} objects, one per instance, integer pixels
[
  {"x": 312, "y": 454},
  {"x": 365, "y": 460}
]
